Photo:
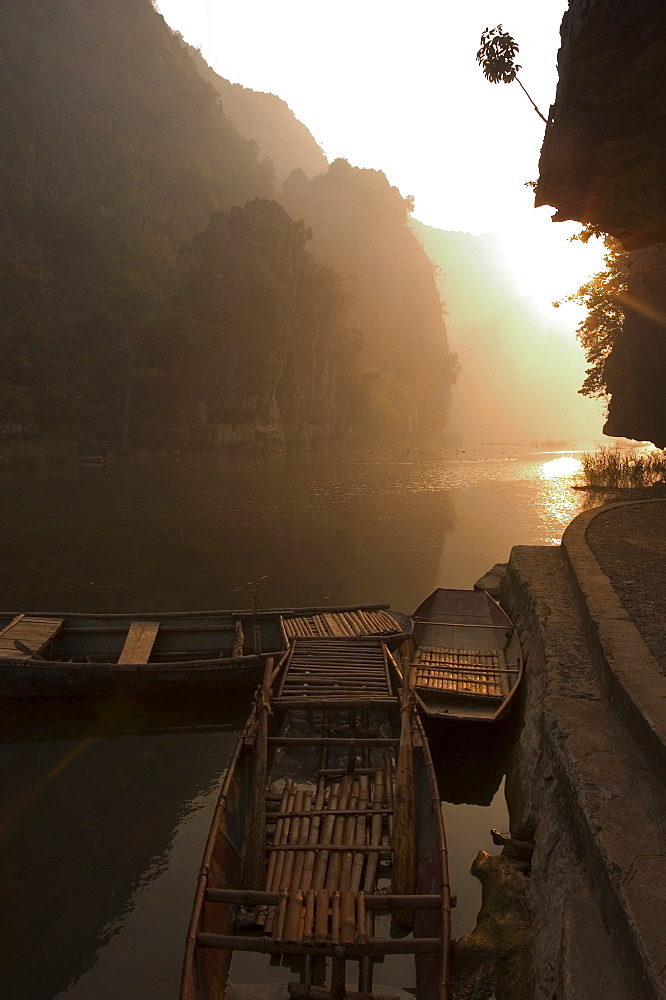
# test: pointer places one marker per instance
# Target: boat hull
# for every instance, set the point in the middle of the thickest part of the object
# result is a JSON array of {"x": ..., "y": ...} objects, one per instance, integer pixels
[
  {"x": 191, "y": 652},
  {"x": 467, "y": 656},
  {"x": 308, "y": 760}
]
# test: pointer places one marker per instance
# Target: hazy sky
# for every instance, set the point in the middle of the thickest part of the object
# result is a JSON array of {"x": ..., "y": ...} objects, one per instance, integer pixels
[{"x": 396, "y": 87}]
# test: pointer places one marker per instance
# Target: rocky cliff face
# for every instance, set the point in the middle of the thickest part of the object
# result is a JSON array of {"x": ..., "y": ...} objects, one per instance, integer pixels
[
  {"x": 405, "y": 370},
  {"x": 265, "y": 362},
  {"x": 635, "y": 371},
  {"x": 602, "y": 163},
  {"x": 117, "y": 329},
  {"x": 603, "y": 155}
]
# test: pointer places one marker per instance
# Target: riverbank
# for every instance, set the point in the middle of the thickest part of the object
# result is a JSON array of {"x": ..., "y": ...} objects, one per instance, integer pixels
[
  {"x": 36, "y": 453},
  {"x": 42, "y": 452},
  {"x": 585, "y": 781}
]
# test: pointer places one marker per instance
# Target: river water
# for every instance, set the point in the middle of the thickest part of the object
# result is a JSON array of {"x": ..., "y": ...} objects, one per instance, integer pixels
[{"x": 106, "y": 804}]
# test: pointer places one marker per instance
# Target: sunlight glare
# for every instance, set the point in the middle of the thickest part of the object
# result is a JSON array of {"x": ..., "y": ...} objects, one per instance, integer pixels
[
  {"x": 547, "y": 266},
  {"x": 558, "y": 467}
]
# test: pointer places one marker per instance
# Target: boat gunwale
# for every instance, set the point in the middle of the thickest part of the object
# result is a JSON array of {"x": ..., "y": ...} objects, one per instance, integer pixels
[
  {"x": 81, "y": 674},
  {"x": 190, "y": 665},
  {"x": 187, "y": 973},
  {"x": 150, "y": 667},
  {"x": 244, "y": 613}
]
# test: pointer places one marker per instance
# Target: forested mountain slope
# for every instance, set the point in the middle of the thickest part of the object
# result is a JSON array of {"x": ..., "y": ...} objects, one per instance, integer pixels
[
  {"x": 258, "y": 335},
  {"x": 101, "y": 107},
  {"x": 121, "y": 327},
  {"x": 114, "y": 150},
  {"x": 402, "y": 370}
]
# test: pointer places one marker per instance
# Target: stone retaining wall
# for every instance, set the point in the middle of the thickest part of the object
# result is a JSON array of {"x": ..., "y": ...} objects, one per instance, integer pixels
[{"x": 578, "y": 786}]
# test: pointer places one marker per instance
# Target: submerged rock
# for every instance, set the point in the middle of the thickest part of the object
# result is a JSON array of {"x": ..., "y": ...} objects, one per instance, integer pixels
[{"x": 495, "y": 960}]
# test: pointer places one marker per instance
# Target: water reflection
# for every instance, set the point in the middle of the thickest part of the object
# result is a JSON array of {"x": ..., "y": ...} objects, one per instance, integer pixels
[
  {"x": 565, "y": 466},
  {"x": 470, "y": 761},
  {"x": 139, "y": 954},
  {"x": 205, "y": 535},
  {"x": 561, "y": 505},
  {"x": 89, "y": 824}
]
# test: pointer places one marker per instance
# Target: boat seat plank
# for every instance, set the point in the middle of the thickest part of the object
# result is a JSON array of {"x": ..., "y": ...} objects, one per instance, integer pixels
[
  {"x": 139, "y": 642},
  {"x": 34, "y": 633}
]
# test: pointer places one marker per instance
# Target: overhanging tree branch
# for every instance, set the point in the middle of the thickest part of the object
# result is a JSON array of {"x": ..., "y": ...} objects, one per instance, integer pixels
[{"x": 497, "y": 60}]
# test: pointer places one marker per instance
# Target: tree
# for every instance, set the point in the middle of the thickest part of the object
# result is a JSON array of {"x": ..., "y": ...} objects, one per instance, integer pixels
[
  {"x": 603, "y": 296},
  {"x": 497, "y": 60}
]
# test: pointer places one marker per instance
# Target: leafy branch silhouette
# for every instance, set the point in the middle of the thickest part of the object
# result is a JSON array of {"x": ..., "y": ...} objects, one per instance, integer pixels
[{"x": 497, "y": 57}]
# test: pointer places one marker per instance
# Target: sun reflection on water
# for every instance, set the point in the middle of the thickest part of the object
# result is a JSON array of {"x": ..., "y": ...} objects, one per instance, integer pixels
[
  {"x": 558, "y": 467},
  {"x": 560, "y": 502}
]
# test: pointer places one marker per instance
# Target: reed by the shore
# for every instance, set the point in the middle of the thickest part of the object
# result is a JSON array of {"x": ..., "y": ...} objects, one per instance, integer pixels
[{"x": 619, "y": 469}]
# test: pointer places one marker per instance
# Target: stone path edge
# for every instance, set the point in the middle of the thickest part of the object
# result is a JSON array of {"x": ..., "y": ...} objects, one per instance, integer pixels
[
  {"x": 575, "y": 733},
  {"x": 629, "y": 674}
]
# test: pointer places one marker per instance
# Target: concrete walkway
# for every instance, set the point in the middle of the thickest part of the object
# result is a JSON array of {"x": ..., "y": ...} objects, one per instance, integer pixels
[
  {"x": 629, "y": 543},
  {"x": 588, "y": 778},
  {"x": 616, "y": 557}
]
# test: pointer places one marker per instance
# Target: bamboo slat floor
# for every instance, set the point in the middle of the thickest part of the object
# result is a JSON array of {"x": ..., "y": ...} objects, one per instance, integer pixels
[
  {"x": 326, "y": 797},
  {"x": 325, "y": 852},
  {"x": 335, "y": 670},
  {"x": 466, "y": 671},
  {"x": 347, "y": 624}
]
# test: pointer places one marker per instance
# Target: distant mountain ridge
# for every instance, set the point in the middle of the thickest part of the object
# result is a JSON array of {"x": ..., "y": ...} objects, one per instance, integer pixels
[
  {"x": 268, "y": 121},
  {"x": 520, "y": 368}
]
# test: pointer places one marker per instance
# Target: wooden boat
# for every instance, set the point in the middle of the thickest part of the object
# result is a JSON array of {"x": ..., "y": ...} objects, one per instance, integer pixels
[
  {"x": 328, "y": 835},
  {"x": 70, "y": 654},
  {"x": 467, "y": 656}
]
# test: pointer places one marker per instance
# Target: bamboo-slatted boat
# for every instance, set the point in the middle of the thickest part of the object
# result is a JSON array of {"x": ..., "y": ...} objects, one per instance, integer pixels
[
  {"x": 327, "y": 837},
  {"x": 467, "y": 656},
  {"x": 45, "y": 654}
]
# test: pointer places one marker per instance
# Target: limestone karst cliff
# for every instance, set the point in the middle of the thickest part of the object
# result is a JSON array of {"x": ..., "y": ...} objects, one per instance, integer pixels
[
  {"x": 360, "y": 226},
  {"x": 107, "y": 164},
  {"x": 269, "y": 350},
  {"x": 635, "y": 371},
  {"x": 109, "y": 167},
  {"x": 602, "y": 160},
  {"x": 602, "y": 163}
]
